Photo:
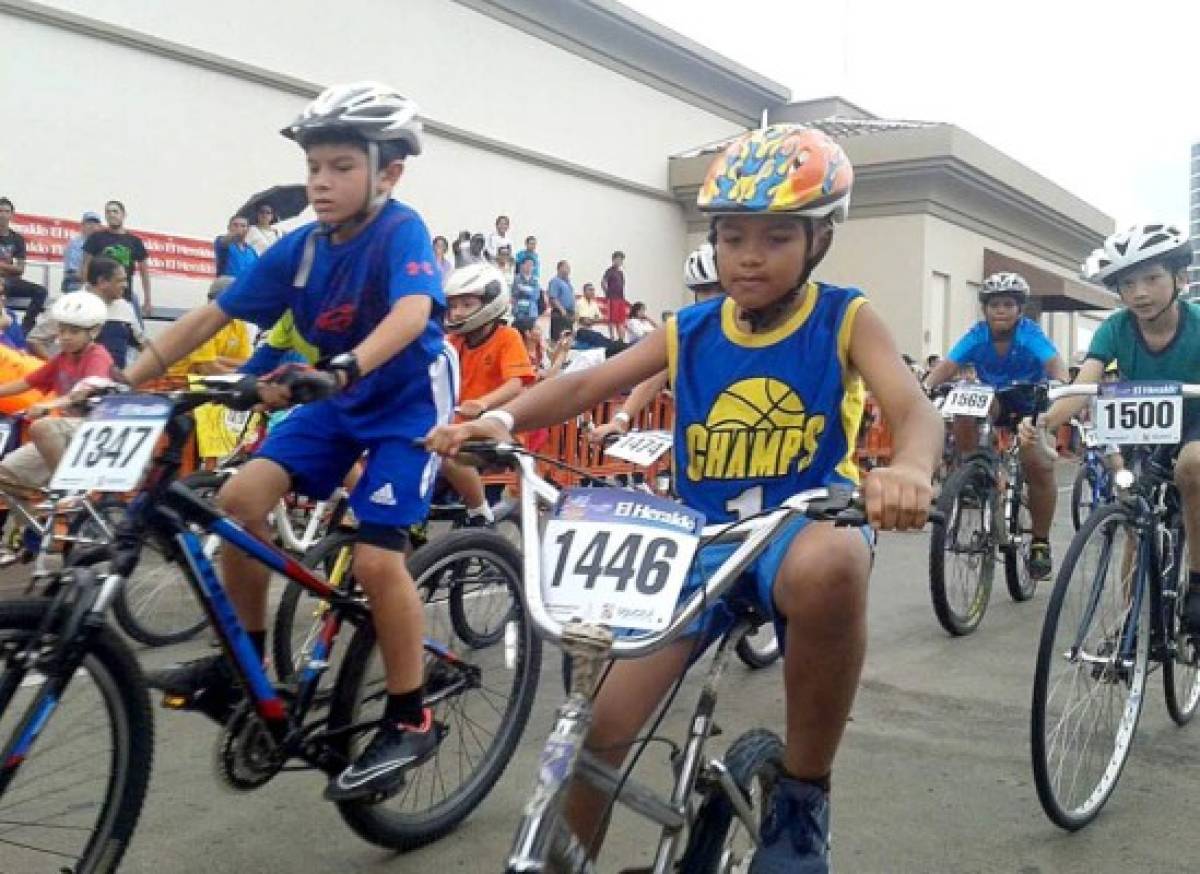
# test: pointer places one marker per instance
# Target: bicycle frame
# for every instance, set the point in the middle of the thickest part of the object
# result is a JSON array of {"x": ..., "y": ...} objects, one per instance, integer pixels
[{"x": 588, "y": 647}]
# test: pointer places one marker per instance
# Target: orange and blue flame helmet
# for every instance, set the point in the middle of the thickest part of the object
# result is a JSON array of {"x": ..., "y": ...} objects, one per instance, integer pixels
[{"x": 783, "y": 168}]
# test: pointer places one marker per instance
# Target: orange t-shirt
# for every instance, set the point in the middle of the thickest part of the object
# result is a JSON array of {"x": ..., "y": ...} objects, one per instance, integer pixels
[{"x": 488, "y": 366}]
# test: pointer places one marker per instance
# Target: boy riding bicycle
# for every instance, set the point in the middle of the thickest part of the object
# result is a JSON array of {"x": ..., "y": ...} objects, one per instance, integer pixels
[
  {"x": 1006, "y": 347},
  {"x": 1156, "y": 337},
  {"x": 363, "y": 289},
  {"x": 777, "y": 417}
]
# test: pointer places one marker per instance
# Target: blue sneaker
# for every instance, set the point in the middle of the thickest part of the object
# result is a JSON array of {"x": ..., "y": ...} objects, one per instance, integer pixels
[{"x": 795, "y": 831}]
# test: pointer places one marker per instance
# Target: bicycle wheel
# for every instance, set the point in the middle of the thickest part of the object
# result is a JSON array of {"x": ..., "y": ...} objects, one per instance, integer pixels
[
  {"x": 482, "y": 697},
  {"x": 759, "y": 649},
  {"x": 1181, "y": 658},
  {"x": 1019, "y": 524},
  {"x": 1083, "y": 491},
  {"x": 300, "y": 613},
  {"x": 155, "y": 605},
  {"x": 1091, "y": 671},
  {"x": 718, "y": 842},
  {"x": 75, "y": 801},
  {"x": 962, "y": 556}
]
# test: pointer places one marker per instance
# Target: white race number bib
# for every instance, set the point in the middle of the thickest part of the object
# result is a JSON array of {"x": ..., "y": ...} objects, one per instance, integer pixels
[
  {"x": 1139, "y": 412},
  {"x": 642, "y": 448},
  {"x": 969, "y": 399},
  {"x": 111, "y": 449},
  {"x": 617, "y": 557}
]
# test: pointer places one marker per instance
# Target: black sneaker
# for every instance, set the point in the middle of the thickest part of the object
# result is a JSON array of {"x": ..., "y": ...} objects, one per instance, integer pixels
[
  {"x": 1040, "y": 561},
  {"x": 379, "y": 772},
  {"x": 206, "y": 685},
  {"x": 479, "y": 521}
]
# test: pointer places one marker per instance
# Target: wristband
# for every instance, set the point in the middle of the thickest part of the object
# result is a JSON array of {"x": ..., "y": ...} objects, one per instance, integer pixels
[
  {"x": 623, "y": 416},
  {"x": 504, "y": 417}
]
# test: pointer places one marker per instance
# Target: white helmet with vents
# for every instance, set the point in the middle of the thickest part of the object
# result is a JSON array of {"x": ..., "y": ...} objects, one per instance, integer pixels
[
  {"x": 1004, "y": 285},
  {"x": 1138, "y": 245},
  {"x": 700, "y": 268},
  {"x": 483, "y": 280},
  {"x": 80, "y": 309},
  {"x": 375, "y": 112}
]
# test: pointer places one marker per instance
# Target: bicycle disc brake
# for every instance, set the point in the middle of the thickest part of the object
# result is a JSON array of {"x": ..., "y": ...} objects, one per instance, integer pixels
[{"x": 247, "y": 756}]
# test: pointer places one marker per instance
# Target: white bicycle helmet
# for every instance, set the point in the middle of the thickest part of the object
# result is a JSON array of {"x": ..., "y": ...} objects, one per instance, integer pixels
[
  {"x": 1004, "y": 285},
  {"x": 1137, "y": 245},
  {"x": 375, "y": 112},
  {"x": 700, "y": 268},
  {"x": 80, "y": 309},
  {"x": 485, "y": 281}
]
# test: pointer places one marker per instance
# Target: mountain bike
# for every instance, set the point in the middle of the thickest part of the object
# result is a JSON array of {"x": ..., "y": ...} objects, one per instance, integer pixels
[
  {"x": 1092, "y": 486},
  {"x": 984, "y": 505},
  {"x": 1114, "y": 614},
  {"x": 58, "y": 651},
  {"x": 618, "y": 557}
]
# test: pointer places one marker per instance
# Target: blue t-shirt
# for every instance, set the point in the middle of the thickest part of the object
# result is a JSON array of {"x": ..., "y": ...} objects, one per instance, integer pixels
[
  {"x": 1028, "y": 354},
  {"x": 13, "y": 336},
  {"x": 526, "y": 298},
  {"x": 351, "y": 288},
  {"x": 233, "y": 259},
  {"x": 560, "y": 290}
]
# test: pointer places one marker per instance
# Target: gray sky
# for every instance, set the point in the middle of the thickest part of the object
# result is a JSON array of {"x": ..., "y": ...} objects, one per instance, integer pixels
[{"x": 1095, "y": 96}]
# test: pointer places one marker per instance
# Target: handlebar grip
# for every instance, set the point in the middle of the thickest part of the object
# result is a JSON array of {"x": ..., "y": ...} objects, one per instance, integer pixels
[{"x": 307, "y": 385}]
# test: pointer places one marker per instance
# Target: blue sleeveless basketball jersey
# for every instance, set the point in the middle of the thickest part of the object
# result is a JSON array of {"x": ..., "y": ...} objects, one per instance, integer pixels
[{"x": 760, "y": 417}]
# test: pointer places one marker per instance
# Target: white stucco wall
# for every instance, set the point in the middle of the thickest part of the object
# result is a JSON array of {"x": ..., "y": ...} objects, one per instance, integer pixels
[{"x": 184, "y": 146}]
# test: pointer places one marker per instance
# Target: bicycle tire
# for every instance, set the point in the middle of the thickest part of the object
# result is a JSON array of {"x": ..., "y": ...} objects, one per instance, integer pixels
[
  {"x": 759, "y": 649},
  {"x": 114, "y": 672},
  {"x": 156, "y": 578},
  {"x": 385, "y": 827},
  {"x": 1110, "y": 527},
  {"x": 1181, "y": 674},
  {"x": 1020, "y": 583},
  {"x": 753, "y": 762},
  {"x": 1082, "y": 490},
  {"x": 972, "y": 483},
  {"x": 286, "y": 632}
]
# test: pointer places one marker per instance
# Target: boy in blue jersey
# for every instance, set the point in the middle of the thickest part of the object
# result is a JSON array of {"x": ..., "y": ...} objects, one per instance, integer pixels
[
  {"x": 1006, "y": 347},
  {"x": 362, "y": 287},
  {"x": 778, "y": 416}
]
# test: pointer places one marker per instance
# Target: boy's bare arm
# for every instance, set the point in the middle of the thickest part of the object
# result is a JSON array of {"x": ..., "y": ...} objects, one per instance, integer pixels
[
  {"x": 178, "y": 340},
  {"x": 557, "y": 400},
  {"x": 405, "y": 323}
]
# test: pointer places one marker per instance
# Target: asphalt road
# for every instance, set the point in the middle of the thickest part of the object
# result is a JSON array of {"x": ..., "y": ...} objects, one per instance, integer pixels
[{"x": 934, "y": 774}]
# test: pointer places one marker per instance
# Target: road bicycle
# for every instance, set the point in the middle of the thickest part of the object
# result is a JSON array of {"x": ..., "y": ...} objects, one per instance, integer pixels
[
  {"x": 710, "y": 818},
  {"x": 984, "y": 508},
  {"x": 1092, "y": 486},
  {"x": 1113, "y": 617},
  {"x": 76, "y": 736}
]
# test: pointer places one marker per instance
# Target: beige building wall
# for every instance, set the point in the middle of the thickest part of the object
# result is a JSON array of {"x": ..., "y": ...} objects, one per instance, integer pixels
[
  {"x": 885, "y": 258},
  {"x": 183, "y": 146}
]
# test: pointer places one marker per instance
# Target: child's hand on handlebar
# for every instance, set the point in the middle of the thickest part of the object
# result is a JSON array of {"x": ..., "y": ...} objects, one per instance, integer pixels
[
  {"x": 599, "y": 434},
  {"x": 897, "y": 497},
  {"x": 446, "y": 439}
]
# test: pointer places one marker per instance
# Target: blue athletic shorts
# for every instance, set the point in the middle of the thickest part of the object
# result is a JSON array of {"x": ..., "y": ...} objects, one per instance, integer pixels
[
  {"x": 317, "y": 446},
  {"x": 756, "y": 585}
]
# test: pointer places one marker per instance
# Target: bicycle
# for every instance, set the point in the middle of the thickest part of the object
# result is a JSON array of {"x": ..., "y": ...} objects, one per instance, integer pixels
[
  {"x": 984, "y": 508},
  {"x": 710, "y": 818},
  {"x": 1092, "y": 486},
  {"x": 481, "y": 697},
  {"x": 1113, "y": 614}
]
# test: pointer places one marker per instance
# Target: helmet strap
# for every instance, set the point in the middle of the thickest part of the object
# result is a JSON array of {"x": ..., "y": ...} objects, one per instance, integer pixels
[{"x": 481, "y": 334}]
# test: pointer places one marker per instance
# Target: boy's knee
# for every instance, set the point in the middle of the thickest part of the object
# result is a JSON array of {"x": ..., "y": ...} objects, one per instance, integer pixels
[
  {"x": 1187, "y": 468},
  {"x": 248, "y": 504},
  {"x": 829, "y": 586}
]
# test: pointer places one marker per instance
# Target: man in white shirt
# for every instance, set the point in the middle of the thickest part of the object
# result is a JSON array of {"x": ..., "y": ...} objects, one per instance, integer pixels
[{"x": 499, "y": 237}]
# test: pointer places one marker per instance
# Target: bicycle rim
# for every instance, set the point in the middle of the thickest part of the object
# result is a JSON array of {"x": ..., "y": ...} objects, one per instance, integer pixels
[
  {"x": 483, "y": 720},
  {"x": 1181, "y": 658},
  {"x": 75, "y": 800},
  {"x": 961, "y": 553},
  {"x": 1091, "y": 672}
]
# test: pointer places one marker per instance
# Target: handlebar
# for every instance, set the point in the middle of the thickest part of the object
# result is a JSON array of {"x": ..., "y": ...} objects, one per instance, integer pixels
[{"x": 1190, "y": 391}]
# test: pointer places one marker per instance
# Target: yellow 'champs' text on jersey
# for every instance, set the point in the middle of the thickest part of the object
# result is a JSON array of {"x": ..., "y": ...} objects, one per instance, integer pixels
[{"x": 760, "y": 417}]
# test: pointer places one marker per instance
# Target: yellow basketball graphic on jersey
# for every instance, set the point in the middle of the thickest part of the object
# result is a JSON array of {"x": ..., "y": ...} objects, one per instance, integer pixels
[{"x": 756, "y": 428}]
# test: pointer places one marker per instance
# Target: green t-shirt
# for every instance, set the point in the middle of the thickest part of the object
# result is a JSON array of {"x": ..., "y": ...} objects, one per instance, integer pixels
[{"x": 1179, "y": 361}]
